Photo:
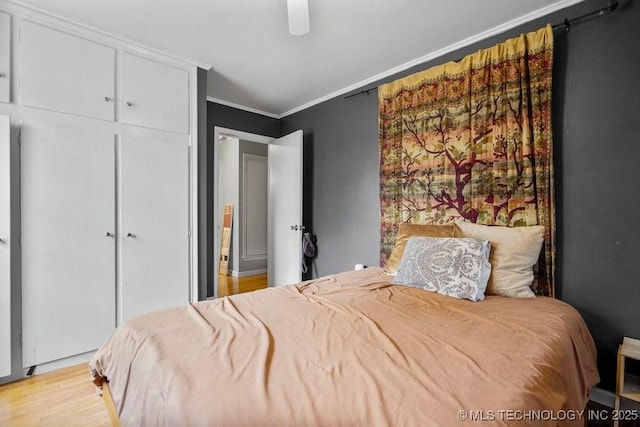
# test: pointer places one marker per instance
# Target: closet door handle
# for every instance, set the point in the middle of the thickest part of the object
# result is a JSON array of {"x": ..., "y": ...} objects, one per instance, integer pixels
[
  {"x": 129, "y": 104},
  {"x": 107, "y": 234},
  {"x": 1, "y": 241},
  {"x": 131, "y": 235},
  {"x": 106, "y": 98}
]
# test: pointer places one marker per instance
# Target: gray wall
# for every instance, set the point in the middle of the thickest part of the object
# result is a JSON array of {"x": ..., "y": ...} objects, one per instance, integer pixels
[
  {"x": 204, "y": 274},
  {"x": 597, "y": 131},
  {"x": 341, "y": 184},
  {"x": 597, "y": 139}
]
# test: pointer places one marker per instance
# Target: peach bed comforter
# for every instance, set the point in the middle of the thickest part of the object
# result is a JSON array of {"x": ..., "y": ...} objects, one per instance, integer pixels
[{"x": 349, "y": 349}]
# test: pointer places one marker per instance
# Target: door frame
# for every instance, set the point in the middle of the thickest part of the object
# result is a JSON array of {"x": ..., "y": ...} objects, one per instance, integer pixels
[{"x": 246, "y": 136}]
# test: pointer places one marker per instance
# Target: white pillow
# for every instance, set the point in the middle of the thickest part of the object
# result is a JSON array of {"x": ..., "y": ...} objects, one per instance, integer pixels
[
  {"x": 514, "y": 252},
  {"x": 455, "y": 267}
]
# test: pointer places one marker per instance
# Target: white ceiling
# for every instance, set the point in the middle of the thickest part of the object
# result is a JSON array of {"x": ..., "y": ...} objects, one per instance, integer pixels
[{"x": 257, "y": 65}]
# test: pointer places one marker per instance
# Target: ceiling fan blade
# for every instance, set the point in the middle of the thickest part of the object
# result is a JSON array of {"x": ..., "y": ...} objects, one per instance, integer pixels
[{"x": 298, "y": 11}]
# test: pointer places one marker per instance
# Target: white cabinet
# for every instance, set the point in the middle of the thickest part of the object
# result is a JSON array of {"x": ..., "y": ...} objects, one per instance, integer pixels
[
  {"x": 5, "y": 57},
  {"x": 70, "y": 74},
  {"x": 5, "y": 254},
  {"x": 66, "y": 73},
  {"x": 106, "y": 147},
  {"x": 71, "y": 238},
  {"x": 154, "y": 182},
  {"x": 153, "y": 95},
  {"x": 68, "y": 244}
]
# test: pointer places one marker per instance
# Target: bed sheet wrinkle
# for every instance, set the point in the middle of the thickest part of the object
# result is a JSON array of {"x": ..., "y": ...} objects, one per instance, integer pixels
[
  {"x": 262, "y": 356},
  {"x": 120, "y": 394},
  {"x": 199, "y": 318},
  {"x": 370, "y": 328},
  {"x": 249, "y": 363},
  {"x": 579, "y": 359},
  {"x": 230, "y": 313},
  {"x": 132, "y": 341}
]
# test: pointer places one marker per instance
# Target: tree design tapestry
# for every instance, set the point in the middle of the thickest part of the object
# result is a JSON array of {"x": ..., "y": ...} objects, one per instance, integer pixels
[{"x": 472, "y": 139}]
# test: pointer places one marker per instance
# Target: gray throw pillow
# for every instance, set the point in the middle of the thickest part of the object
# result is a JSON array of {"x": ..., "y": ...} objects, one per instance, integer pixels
[{"x": 457, "y": 267}]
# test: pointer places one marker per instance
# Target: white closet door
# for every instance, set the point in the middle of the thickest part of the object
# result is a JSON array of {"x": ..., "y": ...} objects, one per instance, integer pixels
[
  {"x": 5, "y": 56},
  {"x": 153, "y": 95},
  {"x": 154, "y": 212},
  {"x": 5, "y": 254},
  {"x": 68, "y": 244},
  {"x": 65, "y": 73}
]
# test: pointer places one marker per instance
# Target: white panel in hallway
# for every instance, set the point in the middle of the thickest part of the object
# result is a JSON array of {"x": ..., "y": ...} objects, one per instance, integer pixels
[{"x": 255, "y": 195}]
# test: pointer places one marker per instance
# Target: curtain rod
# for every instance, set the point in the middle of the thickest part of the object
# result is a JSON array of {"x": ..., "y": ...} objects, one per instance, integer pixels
[
  {"x": 567, "y": 23},
  {"x": 362, "y": 92}
]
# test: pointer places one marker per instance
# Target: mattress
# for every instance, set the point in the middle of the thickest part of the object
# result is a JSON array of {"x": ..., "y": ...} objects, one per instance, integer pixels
[{"x": 351, "y": 349}]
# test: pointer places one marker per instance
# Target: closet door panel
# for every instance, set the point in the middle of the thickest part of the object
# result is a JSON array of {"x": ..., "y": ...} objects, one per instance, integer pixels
[
  {"x": 153, "y": 95},
  {"x": 5, "y": 57},
  {"x": 154, "y": 206},
  {"x": 5, "y": 253},
  {"x": 68, "y": 243},
  {"x": 66, "y": 73}
]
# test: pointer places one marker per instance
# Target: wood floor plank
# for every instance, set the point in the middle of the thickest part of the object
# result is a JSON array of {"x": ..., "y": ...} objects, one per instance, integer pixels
[
  {"x": 65, "y": 397},
  {"x": 229, "y": 285}
]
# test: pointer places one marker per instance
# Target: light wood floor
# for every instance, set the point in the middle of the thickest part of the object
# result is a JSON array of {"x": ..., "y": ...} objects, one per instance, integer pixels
[
  {"x": 65, "y": 397},
  {"x": 229, "y": 285}
]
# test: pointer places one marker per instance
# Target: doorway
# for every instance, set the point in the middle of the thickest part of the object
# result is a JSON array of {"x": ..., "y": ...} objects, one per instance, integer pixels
[
  {"x": 241, "y": 169},
  {"x": 243, "y": 184},
  {"x": 284, "y": 199}
]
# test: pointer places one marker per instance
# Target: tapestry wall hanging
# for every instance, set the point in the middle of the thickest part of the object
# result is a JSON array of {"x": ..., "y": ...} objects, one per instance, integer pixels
[{"x": 472, "y": 139}]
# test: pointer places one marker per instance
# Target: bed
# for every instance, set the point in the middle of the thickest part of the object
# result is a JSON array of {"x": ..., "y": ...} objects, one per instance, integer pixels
[{"x": 351, "y": 349}]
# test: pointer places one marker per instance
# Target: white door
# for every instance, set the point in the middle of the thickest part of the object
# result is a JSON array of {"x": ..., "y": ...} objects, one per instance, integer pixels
[
  {"x": 5, "y": 254},
  {"x": 5, "y": 56},
  {"x": 153, "y": 95},
  {"x": 154, "y": 228},
  {"x": 285, "y": 210},
  {"x": 68, "y": 244},
  {"x": 65, "y": 73}
]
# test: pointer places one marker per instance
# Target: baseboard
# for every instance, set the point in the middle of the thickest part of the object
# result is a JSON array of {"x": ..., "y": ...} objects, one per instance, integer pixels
[
  {"x": 608, "y": 398},
  {"x": 248, "y": 272},
  {"x": 62, "y": 363},
  {"x": 602, "y": 397}
]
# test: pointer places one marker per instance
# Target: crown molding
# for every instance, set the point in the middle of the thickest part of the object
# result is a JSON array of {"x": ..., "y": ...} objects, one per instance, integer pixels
[
  {"x": 440, "y": 52},
  {"x": 242, "y": 107}
]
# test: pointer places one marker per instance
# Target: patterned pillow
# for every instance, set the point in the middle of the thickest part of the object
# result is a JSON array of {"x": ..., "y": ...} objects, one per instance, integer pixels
[{"x": 449, "y": 266}]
